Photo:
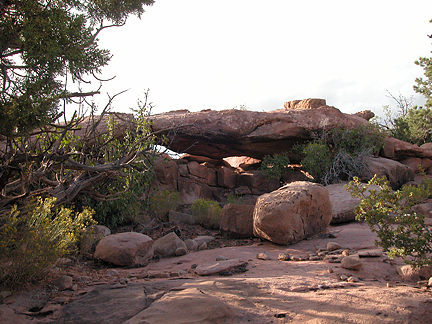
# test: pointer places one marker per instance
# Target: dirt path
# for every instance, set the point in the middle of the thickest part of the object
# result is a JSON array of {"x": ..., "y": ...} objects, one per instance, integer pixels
[{"x": 270, "y": 291}]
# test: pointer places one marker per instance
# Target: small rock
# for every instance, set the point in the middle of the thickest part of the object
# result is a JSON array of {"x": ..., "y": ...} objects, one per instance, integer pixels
[
  {"x": 180, "y": 251},
  {"x": 63, "y": 261},
  {"x": 221, "y": 258},
  {"x": 263, "y": 256},
  {"x": 330, "y": 270},
  {"x": 314, "y": 258},
  {"x": 343, "y": 277},
  {"x": 331, "y": 246},
  {"x": 430, "y": 282},
  {"x": 370, "y": 253},
  {"x": 351, "y": 263},
  {"x": 297, "y": 258},
  {"x": 203, "y": 246},
  {"x": 193, "y": 266},
  {"x": 174, "y": 274},
  {"x": 353, "y": 279},
  {"x": 345, "y": 252},
  {"x": 112, "y": 272},
  {"x": 63, "y": 283},
  {"x": 203, "y": 239},
  {"x": 191, "y": 245},
  {"x": 322, "y": 254},
  {"x": 284, "y": 257}
]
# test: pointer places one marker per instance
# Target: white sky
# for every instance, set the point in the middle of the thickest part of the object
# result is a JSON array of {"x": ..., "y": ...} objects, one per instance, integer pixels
[{"x": 201, "y": 54}]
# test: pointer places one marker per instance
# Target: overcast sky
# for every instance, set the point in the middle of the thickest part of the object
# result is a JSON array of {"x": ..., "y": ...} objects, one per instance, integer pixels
[{"x": 201, "y": 54}]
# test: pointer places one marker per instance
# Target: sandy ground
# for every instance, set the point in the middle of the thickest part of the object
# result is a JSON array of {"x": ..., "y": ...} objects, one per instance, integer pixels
[{"x": 270, "y": 291}]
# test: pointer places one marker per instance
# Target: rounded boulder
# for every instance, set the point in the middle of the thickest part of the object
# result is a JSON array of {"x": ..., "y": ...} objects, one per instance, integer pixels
[
  {"x": 292, "y": 213},
  {"x": 125, "y": 249}
]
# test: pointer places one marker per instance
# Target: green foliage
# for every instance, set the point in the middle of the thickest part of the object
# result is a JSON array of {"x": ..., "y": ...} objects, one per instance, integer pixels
[
  {"x": 275, "y": 166},
  {"x": 338, "y": 154},
  {"x": 317, "y": 160},
  {"x": 43, "y": 42},
  {"x": 415, "y": 127},
  {"x": 401, "y": 231},
  {"x": 207, "y": 213},
  {"x": 364, "y": 139},
  {"x": 31, "y": 243},
  {"x": 162, "y": 202},
  {"x": 235, "y": 199}
]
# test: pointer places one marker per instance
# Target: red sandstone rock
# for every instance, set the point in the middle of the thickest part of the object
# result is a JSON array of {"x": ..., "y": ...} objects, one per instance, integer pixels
[
  {"x": 219, "y": 134},
  {"x": 237, "y": 220},
  {"x": 292, "y": 213}
]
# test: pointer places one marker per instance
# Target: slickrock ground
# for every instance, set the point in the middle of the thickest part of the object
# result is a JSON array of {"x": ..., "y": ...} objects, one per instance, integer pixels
[{"x": 269, "y": 291}]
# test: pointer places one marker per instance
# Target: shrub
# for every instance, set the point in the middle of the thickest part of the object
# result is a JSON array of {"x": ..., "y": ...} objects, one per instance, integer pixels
[
  {"x": 275, "y": 166},
  {"x": 31, "y": 243},
  {"x": 363, "y": 139},
  {"x": 162, "y": 202},
  {"x": 317, "y": 160},
  {"x": 207, "y": 213},
  {"x": 338, "y": 154},
  {"x": 401, "y": 231}
]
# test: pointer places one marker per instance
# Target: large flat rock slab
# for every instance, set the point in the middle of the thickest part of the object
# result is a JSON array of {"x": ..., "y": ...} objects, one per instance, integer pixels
[
  {"x": 225, "y": 133},
  {"x": 216, "y": 267}
]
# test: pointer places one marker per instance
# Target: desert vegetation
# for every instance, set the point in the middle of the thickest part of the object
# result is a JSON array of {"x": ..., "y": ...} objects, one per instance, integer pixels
[{"x": 61, "y": 172}]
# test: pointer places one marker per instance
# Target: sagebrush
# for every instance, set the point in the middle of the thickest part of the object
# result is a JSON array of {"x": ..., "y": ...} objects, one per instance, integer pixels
[{"x": 30, "y": 243}]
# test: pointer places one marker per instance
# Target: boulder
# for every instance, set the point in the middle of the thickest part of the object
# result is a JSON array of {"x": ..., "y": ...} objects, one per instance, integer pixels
[
  {"x": 243, "y": 162},
  {"x": 399, "y": 150},
  {"x": 191, "y": 190},
  {"x": 343, "y": 203},
  {"x": 202, "y": 173},
  {"x": 366, "y": 114},
  {"x": 294, "y": 212},
  {"x": 227, "y": 177},
  {"x": 258, "y": 182},
  {"x": 396, "y": 172},
  {"x": 167, "y": 172},
  {"x": 424, "y": 208},
  {"x": 351, "y": 262},
  {"x": 237, "y": 220},
  {"x": 305, "y": 104},
  {"x": 225, "y": 133},
  {"x": 168, "y": 245},
  {"x": 91, "y": 237},
  {"x": 125, "y": 249},
  {"x": 426, "y": 146},
  {"x": 414, "y": 163},
  {"x": 407, "y": 272}
]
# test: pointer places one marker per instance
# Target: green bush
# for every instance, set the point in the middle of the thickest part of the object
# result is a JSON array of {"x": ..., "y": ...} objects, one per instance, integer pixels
[
  {"x": 401, "y": 231},
  {"x": 207, "y": 213},
  {"x": 162, "y": 202},
  {"x": 125, "y": 204},
  {"x": 317, "y": 160},
  {"x": 338, "y": 154},
  {"x": 275, "y": 166},
  {"x": 31, "y": 243}
]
